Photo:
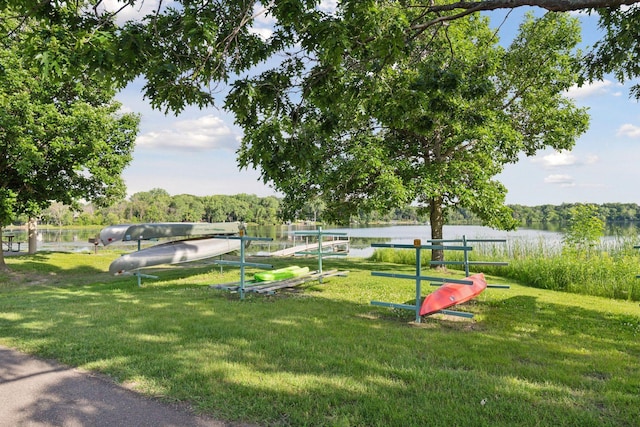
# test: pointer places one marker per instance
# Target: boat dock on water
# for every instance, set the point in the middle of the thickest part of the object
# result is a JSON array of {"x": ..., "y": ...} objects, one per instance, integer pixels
[{"x": 340, "y": 245}]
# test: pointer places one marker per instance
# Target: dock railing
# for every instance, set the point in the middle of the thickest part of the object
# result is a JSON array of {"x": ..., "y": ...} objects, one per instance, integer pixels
[{"x": 322, "y": 244}]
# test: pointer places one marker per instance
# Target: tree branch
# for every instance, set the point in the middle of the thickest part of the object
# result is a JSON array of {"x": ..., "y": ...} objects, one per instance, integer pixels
[
  {"x": 550, "y": 5},
  {"x": 465, "y": 8}
]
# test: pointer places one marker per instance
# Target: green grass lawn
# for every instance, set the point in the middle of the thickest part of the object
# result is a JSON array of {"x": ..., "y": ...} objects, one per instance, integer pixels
[{"x": 322, "y": 355}]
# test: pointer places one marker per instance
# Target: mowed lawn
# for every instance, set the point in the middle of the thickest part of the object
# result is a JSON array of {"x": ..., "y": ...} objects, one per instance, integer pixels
[{"x": 321, "y": 355}]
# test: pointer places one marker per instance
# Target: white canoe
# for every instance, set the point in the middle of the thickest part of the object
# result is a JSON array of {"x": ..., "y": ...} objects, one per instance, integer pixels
[
  {"x": 173, "y": 253},
  {"x": 157, "y": 230}
]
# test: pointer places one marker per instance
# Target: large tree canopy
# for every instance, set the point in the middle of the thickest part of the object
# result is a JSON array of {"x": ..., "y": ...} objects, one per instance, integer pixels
[
  {"x": 60, "y": 140},
  {"x": 185, "y": 48},
  {"x": 433, "y": 124}
]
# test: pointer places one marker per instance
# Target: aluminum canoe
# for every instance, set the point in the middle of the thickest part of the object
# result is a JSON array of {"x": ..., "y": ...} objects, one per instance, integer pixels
[
  {"x": 147, "y": 231},
  {"x": 173, "y": 253}
]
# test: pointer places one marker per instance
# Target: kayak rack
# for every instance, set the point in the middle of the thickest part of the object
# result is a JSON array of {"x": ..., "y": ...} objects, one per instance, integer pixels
[
  {"x": 637, "y": 247},
  {"x": 242, "y": 263},
  {"x": 141, "y": 275},
  {"x": 269, "y": 287},
  {"x": 466, "y": 261},
  {"x": 435, "y": 281},
  {"x": 320, "y": 253}
]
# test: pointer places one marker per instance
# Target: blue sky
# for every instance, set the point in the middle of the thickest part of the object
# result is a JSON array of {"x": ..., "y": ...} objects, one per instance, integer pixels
[{"x": 195, "y": 152}]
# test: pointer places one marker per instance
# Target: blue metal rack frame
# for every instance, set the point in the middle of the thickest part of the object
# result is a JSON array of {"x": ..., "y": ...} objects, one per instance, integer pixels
[
  {"x": 242, "y": 263},
  {"x": 320, "y": 253},
  {"x": 435, "y": 281}
]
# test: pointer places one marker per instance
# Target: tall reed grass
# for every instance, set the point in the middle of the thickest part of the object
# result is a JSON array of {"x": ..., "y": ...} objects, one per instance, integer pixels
[{"x": 607, "y": 270}]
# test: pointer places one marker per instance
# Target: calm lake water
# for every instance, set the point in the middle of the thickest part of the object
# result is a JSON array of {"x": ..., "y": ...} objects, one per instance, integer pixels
[
  {"x": 361, "y": 238},
  {"x": 284, "y": 236}
]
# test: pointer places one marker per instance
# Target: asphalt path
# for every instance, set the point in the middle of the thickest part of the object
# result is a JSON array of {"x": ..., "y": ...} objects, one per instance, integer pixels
[{"x": 42, "y": 393}]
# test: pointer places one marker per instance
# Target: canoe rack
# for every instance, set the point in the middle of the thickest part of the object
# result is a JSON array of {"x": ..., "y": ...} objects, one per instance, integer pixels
[
  {"x": 270, "y": 287},
  {"x": 242, "y": 263},
  {"x": 140, "y": 275},
  {"x": 435, "y": 281},
  {"x": 244, "y": 286}
]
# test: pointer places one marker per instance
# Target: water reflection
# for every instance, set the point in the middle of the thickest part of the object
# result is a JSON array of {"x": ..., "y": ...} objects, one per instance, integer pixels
[
  {"x": 58, "y": 239},
  {"x": 362, "y": 237}
]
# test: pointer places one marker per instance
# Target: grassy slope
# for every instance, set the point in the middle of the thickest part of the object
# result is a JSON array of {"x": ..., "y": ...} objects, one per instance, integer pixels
[{"x": 324, "y": 356}]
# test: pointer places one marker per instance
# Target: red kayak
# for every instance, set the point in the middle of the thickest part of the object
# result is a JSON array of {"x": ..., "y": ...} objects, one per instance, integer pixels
[{"x": 453, "y": 293}]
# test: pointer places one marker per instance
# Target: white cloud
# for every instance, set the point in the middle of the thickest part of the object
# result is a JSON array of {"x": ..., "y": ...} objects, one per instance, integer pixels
[
  {"x": 591, "y": 159},
  {"x": 328, "y": 6},
  {"x": 261, "y": 16},
  {"x": 579, "y": 13},
  {"x": 263, "y": 24},
  {"x": 560, "y": 159},
  {"x": 125, "y": 110},
  {"x": 263, "y": 33},
  {"x": 204, "y": 133},
  {"x": 556, "y": 159},
  {"x": 602, "y": 87},
  {"x": 629, "y": 130},
  {"x": 140, "y": 8},
  {"x": 562, "y": 180}
]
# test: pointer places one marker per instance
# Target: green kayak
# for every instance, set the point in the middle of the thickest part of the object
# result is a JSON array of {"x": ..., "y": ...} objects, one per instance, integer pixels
[{"x": 281, "y": 274}]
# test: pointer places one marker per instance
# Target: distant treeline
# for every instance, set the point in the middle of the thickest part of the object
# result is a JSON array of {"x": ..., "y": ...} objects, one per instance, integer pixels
[
  {"x": 158, "y": 205},
  {"x": 560, "y": 214}
]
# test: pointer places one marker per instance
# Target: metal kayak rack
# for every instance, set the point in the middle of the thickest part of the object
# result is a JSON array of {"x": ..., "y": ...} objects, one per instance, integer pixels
[{"x": 437, "y": 244}]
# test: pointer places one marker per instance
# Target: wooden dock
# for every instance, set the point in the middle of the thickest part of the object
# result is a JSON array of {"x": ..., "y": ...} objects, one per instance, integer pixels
[{"x": 310, "y": 247}]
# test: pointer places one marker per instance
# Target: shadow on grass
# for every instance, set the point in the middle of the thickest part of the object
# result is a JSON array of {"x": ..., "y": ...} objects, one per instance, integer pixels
[
  {"x": 72, "y": 269},
  {"x": 41, "y": 262}
]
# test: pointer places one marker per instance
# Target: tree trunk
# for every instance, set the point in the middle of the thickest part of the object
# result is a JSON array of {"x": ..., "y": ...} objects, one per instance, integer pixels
[
  {"x": 436, "y": 219},
  {"x": 3, "y": 265},
  {"x": 32, "y": 228}
]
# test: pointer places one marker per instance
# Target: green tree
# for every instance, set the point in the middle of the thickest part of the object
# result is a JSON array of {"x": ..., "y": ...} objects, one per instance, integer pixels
[
  {"x": 214, "y": 209},
  {"x": 185, "y": 48},
  {"x": 241, "y": 207},
  {"x": 585, "y": 228},
  {"x": 271, "y": 210},
  {"x": 57, "y": 214},
  {"x": 313, "y": 209},
  {"x": 150, "y": 206},
  {"x": 550, "y": 213},
  {"x": 180, "y": 49},
  {"x": 186, "y": 208},
  {"x": 433, "y": 124},
  {"x": 61, "y": 141}
]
